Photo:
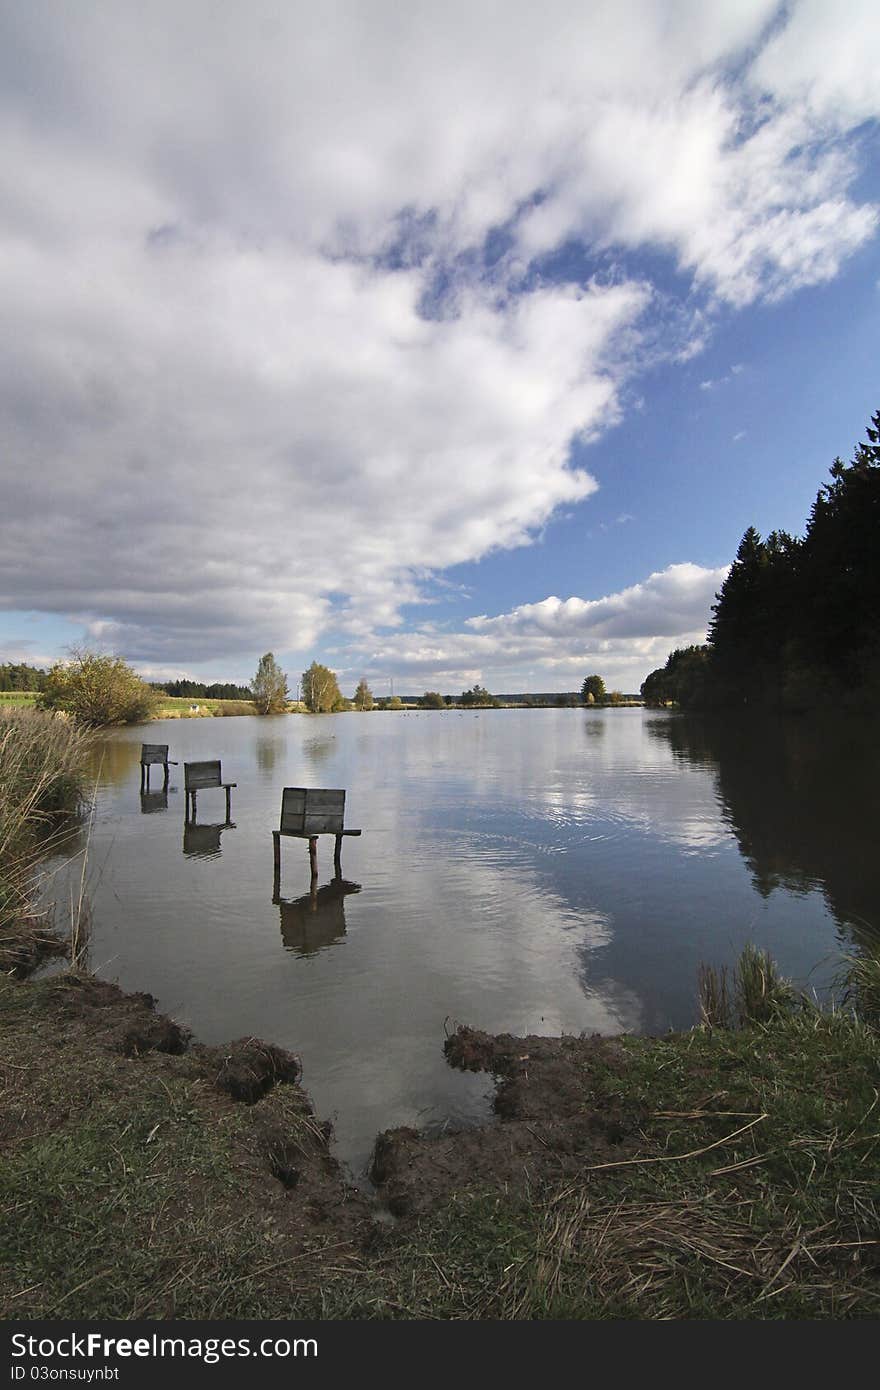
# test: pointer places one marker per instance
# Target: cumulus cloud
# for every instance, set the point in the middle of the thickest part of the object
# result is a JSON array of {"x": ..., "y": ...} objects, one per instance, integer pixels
[
  {"x": 279, "y": 340},
  {"x": 623, "y": 635}
]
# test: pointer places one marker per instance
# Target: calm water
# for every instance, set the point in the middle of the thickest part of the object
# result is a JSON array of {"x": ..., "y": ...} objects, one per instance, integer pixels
[{"x": 528, "y": 871}]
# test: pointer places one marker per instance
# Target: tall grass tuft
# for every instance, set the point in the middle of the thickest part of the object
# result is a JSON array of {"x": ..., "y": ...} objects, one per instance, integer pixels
[
  {"x": 43, "y": 760},
  {"x": 861, "y": 979},
  {"x": 715, "y": 1009},
  {"x": 759, "y": 995},
  {"x": 42, "y": 776},
  {"x": 760, "y": 992}
]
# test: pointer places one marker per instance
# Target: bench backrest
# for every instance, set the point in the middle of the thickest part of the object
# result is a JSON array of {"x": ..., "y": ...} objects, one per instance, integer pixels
[
  {"x": 154, "y": 752},
  {"x": 312, "y": 811},
  {"x": 198, "y": 775}
]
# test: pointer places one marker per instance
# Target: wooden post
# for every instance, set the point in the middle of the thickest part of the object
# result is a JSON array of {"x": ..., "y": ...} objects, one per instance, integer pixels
[
  {"x": 337, "y": 856},
  {"x": 192, "y": 798},
  {"x": 228, "y": 805},
  {"x": 313, "y": 855}
]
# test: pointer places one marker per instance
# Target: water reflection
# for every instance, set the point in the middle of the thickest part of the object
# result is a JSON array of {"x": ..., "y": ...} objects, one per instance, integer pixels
[
  {"x": 154, "y": 801},
  {"x": 316, "y": 920},
  {"x": 798, "y": 795},
  {"x": 116, "y": 762},
  {"x": 203, "y": 841},
  {"x": 268, "y": 750},
  {"x": 319, "y": 750}
]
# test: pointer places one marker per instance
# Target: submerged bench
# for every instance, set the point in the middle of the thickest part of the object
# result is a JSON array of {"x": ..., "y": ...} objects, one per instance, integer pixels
[
  {"x": 306, "y": 813},
  {"x": 201, "y": 776},
  {"x": 151, "y": 754}
]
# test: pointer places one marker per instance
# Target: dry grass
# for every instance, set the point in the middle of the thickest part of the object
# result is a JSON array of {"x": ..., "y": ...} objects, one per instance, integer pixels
[
  {"x": 42, "y": 786},
  {"x": 42, "y": 760},
  {"x": 643, "y": 1256}
]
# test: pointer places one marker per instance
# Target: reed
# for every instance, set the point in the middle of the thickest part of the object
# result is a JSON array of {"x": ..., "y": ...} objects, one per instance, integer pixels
[
  {"x": 43, "y": 759},
  {"x": 760, "y": 992}
]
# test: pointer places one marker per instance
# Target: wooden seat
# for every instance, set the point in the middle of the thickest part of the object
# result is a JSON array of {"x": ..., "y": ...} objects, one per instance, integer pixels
[
  {"x": 151, "y": 754},
  {"x": 306, "y": 813},
  {"x": 201, "y": 776}
]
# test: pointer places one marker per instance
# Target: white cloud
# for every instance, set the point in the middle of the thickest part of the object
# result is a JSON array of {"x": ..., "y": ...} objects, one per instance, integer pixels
[
  {"x": 623, "y": 635},
  {"x": 257, "y": 375}
]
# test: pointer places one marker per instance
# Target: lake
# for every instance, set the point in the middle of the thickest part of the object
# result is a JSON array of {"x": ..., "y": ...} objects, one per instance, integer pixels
[{"x": 544, "y": 871}]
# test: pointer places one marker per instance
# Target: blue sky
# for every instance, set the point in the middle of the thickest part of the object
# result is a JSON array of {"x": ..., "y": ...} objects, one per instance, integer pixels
[{"x": 442, "y": 344}]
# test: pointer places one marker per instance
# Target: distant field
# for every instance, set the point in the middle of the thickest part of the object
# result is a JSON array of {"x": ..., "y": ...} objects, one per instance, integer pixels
[
  {"x": 18, "y": 697},
  {"x": 187, "y": 707}
]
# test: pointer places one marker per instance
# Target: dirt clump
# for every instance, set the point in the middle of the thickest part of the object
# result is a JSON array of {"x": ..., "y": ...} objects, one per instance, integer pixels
[
  {"x": 553, "y": 1121},
  {"x": 248, "y": 1068}
]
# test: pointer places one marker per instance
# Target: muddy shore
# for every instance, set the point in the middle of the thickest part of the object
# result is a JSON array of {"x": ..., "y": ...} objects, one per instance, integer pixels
[{"x": 147, "y": 1175}]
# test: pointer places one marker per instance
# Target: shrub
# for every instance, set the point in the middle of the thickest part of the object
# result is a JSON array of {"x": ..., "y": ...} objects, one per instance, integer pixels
[{"x": 98, "y": 690}]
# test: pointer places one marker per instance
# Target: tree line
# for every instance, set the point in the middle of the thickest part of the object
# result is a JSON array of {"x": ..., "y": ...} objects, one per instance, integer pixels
[
  {"x": 197, "y": 690},
  {"x": 20, "y": 676},
  {"x": 797, "y": 620},
  {"x": 104, "y": 689}
]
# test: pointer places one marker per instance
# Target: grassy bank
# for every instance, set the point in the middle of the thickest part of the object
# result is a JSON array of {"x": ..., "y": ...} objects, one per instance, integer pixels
[
  {"x": 720, "y": 1173},
  {"x": 166, "y": 707},
  {"x": 42, "y": 788},
  {"x": 174, "y": 707}
]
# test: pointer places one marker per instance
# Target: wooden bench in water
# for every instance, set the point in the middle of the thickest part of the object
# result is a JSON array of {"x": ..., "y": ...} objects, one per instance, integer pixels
[
  {"x": 200, "y": 776},
  {"x": 151, "y": 754},
  {"x": 306, "y": 813}
]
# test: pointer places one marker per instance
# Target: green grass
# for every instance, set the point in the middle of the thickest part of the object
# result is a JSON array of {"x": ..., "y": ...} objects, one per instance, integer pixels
[{"x": 17, "y": 698}]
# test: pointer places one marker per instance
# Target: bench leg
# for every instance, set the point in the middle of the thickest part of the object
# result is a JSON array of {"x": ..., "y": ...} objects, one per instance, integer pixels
[
  {"x": 337, "y": 856},
  {"x": 165, "y": 784},
  {"x": 276, "y": 864},
  {"x": 228, "y": 805},
  {"x": 313, "y": 855},
  {"x": 192, "y": 802}
]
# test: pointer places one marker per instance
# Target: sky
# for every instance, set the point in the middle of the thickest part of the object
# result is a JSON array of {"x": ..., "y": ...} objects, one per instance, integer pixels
[{"x": 442, "y": 343}]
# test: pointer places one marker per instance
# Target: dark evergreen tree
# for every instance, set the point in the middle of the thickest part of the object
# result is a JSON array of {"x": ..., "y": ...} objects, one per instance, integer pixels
[
  {"x": 841, "y": 568},
  {"x": 797, "y": 623}
]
